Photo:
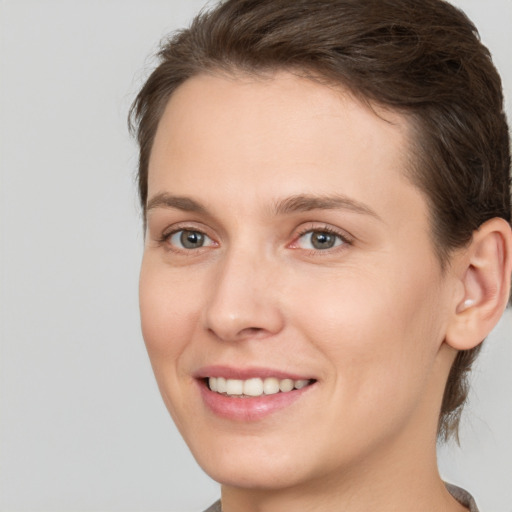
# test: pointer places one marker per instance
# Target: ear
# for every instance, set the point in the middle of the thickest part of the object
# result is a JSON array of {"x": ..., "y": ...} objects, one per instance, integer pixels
[{"x": 485, "y": 272}]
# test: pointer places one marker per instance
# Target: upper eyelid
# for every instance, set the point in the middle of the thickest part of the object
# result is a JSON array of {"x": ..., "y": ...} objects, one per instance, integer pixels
[
  {"x": 301, "y": 230},
  {"x": 342, "y": 233},
  {"x": 161, "y": 226},
  {"x": 342, "y": 241},
  {"x": 186, "y": 226}
]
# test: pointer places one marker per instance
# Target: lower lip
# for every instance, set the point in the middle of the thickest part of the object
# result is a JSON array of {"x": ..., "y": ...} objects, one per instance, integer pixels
[{"x": 248, "y": 409}]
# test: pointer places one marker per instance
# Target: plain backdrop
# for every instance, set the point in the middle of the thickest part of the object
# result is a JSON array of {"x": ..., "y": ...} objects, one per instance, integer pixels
[{"x": 82, "y": 426}]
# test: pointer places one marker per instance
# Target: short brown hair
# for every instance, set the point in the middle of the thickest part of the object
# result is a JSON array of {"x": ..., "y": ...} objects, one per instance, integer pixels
[{"x": 422, "y": 58}]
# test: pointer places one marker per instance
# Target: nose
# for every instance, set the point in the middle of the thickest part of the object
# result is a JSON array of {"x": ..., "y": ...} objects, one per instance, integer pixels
[{"x": 243, "y": 301}]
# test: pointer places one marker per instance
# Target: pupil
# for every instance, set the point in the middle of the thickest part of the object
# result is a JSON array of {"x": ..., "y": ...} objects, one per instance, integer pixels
[
  {"x": 191, "y": 239},
  {"x": 322, "y": 240}
]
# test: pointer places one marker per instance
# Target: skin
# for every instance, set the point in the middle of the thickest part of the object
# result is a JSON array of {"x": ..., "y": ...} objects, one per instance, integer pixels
[{"x": 367, "y": 318}]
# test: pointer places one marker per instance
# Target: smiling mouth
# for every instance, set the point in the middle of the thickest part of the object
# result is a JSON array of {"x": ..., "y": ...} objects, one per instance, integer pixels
[{"x": 255, "y": 387}]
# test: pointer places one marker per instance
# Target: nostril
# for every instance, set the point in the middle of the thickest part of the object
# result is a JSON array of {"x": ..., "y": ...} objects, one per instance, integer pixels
[
  {"x": 251, "y": 330},
  {"x": 245, "y": 333}
]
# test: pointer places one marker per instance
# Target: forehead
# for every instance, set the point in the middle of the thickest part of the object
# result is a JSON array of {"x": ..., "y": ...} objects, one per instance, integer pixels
[
  {"x": 279, "y": 135},
  {"x": 281, "y": 103}
]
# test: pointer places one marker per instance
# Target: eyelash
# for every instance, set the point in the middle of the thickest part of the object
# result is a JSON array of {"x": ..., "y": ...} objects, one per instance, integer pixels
[
  {"x": 164, "y": 239},
  {"x": 346, "y": 240}
]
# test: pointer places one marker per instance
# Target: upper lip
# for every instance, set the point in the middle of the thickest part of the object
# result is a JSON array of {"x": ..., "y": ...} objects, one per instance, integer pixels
[{"x": 231, "y": 372}]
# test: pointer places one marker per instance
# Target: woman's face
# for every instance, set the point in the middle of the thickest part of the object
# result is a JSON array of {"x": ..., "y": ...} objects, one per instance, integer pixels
[{"x": 285, "y": 248}]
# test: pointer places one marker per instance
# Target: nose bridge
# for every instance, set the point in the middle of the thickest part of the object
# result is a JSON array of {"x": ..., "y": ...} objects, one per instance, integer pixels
[{"x": 242, "y": 301}]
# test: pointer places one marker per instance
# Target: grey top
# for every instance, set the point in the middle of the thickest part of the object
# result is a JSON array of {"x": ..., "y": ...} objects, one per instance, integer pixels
[
  {"x": 462, "y": 496},
  {"x": 214, "y": 508}
]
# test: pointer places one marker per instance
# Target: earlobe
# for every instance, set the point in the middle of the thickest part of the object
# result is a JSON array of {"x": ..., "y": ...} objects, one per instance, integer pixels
[{"x": 485, "y": 278}]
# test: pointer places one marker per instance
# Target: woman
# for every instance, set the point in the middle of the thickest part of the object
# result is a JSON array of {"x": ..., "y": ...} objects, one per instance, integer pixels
[{"x": 325, "y": 187}]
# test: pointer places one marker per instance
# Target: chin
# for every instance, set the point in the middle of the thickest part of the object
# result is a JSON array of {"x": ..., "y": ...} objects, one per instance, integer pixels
[
  {"x": 251, "y": 475},
  {"x": 251, "y": 467}
]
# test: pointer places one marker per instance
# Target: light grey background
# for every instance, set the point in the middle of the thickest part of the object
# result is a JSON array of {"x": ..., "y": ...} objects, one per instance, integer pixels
[{"x": 82, "y": 426}]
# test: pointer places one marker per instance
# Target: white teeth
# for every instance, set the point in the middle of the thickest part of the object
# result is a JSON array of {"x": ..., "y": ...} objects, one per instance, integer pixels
[
  {"x": 286, "y": 385},
  {"x": 234, "y": 387},
  {"x": 271, "y": 386},
  {"x": 299, "y": 384},
  {"x": 212, "y": 382},
  {"x": 254, "y": 386},
  {"x": 221, "y": 385}
]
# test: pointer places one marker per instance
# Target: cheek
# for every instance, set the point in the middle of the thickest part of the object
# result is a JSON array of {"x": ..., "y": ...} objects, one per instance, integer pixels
[
  {"x": 380, "y": 331},
  {"x": 167, "y": 315}
]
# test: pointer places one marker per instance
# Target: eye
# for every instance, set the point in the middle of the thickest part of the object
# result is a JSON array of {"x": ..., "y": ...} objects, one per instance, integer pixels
[
  {"x": 319, "y": 240},
  {"x": 189, "y": 239}
]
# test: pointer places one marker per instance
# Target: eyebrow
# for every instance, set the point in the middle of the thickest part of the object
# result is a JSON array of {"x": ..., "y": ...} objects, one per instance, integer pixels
[
  {"x": 306, "y": 203},
  {"x": 293, "y": 204},
  {"x": 164, "y": 200}
]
